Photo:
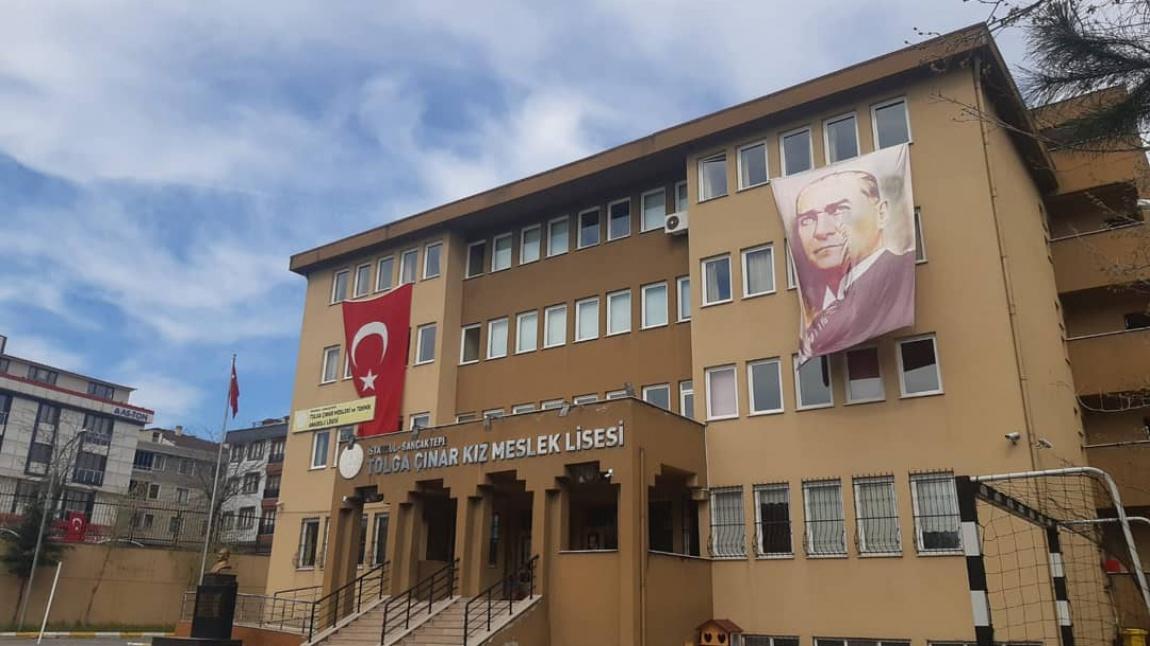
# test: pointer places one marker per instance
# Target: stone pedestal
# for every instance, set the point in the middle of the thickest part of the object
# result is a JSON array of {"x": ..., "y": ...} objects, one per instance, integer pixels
[{"x": 212, "y": 620}]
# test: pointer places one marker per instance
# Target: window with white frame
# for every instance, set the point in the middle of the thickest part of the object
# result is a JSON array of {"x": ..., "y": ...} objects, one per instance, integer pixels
[
  {"x": 469, "y": 344},
  {"x": 308, "y": 542},
  {"x": 585, "y": 399},
  {"x": 758, "y": 271},
  {"x": 813, "y": 383},
  {"x": 654, "y": 205},
  {"x": 494, "y": 413},
  {"x": 712, "y": 177},
  {"x": 385, "y": 273},
  {"x": 530, "y": 244},
  {"x": 683, "y": 288},
  {"x": 728, "y": 532},
  {"x": 765, "y": 384},
  {"x": 461, "y": 418},
  {"x": 587, "y": 319},
  {"x": 362, "y": 280},
  {"x": 425, "y": 344},
  {"x": 497, "y": 338},
  {"x": 659, "y": 395},
  {"x": 619, "y": 219},
  {"x": 476, "y": 253},
  {"x": 408, "y": 265},
  {"x": 339, "y": 285},
  {"x": 558, "y": 237},
  {"x": 791, "y": 273},
  {"x": 420, "y": 420},
  {"x": 526, "y": 332},
  {"x": 551, "y": 404},
  {"x": 841, "y": 136},
  {"x": 716, "y": 280},
  {"x": 654, "y": 305},
  {"x": 823, "y": 517},
  {"x": 432, "y": 254},
  {"x": 330, "y": 364},
  {"x": 753, "y": 165},
  {"x": 319, "y": 446},
  {"x": 769, "y": 640},
  {"x": 876, "y": 513},
  {"x": 588, "y": 228},
  {"x": 680, "y": 196},
  {"x": 501, "y": 252},
  {"x": 864, "y": 378},
  {"x": 619, "y": 312},
  {"x": 936, "y": 519},
  {"x": 773, "y": 520},
  {"x": 722, "y": 392},
  {"x": 919, "y": 243},
  {"x": 347, "y": 367},
  {"x": 891, "y": 123},
  {"x": 795, "y": 147},
  {"x": 616, "y": 394},
  {"x": 554, "y": 326},
  {"x": 687, "y": 398},
  {"x": 519, "y": 409},
  {"x": 918, "y": 372},
  {"x": 820, "y": 641}
]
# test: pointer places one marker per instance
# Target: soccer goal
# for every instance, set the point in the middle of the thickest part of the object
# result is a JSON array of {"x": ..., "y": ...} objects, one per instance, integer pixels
[{"x": 1043, "y": 567}]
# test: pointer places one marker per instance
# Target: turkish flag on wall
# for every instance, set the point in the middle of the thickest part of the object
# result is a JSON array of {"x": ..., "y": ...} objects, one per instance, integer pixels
[{"x": 377, "y": 333}]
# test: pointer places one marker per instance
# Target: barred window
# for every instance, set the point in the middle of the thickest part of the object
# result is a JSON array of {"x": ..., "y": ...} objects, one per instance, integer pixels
[
  {"x": 773, "y": 510},
  {"x": 825, "y": 526},
  {"x": 936, "y": 519},
  {"x": 877, "y": 515},
  {"x": 727, "y": 531}
]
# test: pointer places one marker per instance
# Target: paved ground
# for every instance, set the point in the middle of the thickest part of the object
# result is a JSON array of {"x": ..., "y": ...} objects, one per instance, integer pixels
[{"x": 135, "y": 641}]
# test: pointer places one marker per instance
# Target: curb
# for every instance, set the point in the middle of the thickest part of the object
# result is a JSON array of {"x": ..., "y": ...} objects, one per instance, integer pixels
[{"x": 82, "y": 634}]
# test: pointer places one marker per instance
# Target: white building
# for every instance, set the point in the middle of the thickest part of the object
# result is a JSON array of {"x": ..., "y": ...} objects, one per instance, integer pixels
[{"x": 255, "y": 461}]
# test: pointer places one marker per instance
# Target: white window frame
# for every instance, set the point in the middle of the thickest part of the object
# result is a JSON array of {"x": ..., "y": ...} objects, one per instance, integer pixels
[
  {"x": 699, "y": 171},
  {"x": 847, "y": 376},
  {"x": 799, "y": 389},
  {"x": 707, "y": 372},
  {"x": 315, "y": 559},
  {"x": 727, "y": 490},
  {"x": 827, "y": 136},
  {"x": 520, "y": 409},
  {"x": 523, "y": 244},
  {"x": 467, "y": 260},
  {"x": 419, "y": 344},
  {"x": 326, "y": 433},
  {"x": 686, "y": 197},
  {"x": 760, "y": 551},
  {"x": 380, "y": 274},
  {"x": 643, "y": 228},
  {"x": 792, "y": 273},
  {"x": 355, "y": 293},
  {"x": 916, "y": 512},
  {"x": 335, "y": 281},
  {"x": 346, "y": 368},
  {"x": 463, "y": 418},
  {"x": 746, "y": 274},
  {"x": 509, "y": 237},
  {"x": 415, "y": 417},
  {"x": 686, "y": 387},
  {"x": 766, "y": 163},
  {"x": 519, "y": 326},
  {"x": 566, "y": 220},
  {"x": 874, "y": 108},
  {"x": 626, "y": 201},
  {"x": 583, "y": 400},
  {"x": 578, "y": 305},
  {"x": 611, "y": 296},
  {"x": 439, "y": 269},
  {"x": 751, "y": 410},
  {"x": 547, "y": 314},
  {"x": 783, "y": 151},
  {"x": 643, "y": 309},
  {"x": 703, "y": 275},
  {"x": 809, "y": 536},
  {"x": 616, "y": 394},
  {"x": 403, "y": 264},
  {"x": 494, "y": 413},
  {"x": 506, "y": 337},
  {"x": 323, "y": 365},
  {"x": 902, "y": 373},
  {"x": 919, "y": 238},
  {"x": 463, "y": 343},
  {"x": 860, "y": 526},
  {"x": 552, "y": 404},
  {"x": 579, "y": 228},
  {"x": 653, "y": 387},
  {"x": 679, "y": 282}
]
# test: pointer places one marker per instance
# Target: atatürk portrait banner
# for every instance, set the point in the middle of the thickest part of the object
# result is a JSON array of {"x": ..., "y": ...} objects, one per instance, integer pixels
[{"x": 850, "y": 226}]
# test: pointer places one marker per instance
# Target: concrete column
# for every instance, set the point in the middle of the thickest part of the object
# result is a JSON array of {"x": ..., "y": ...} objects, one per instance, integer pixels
[
  {"x": 474, "y": 566},
  {"x": 542, "y": 531},
  {"x": 465, "y": 509},
  {"x": 631, "y": 551},
  {"x": 342, "y": 556}
]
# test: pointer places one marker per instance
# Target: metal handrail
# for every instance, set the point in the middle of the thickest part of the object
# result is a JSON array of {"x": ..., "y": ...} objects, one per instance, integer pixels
[
  {"x": 362, "y": 590},
  {"x": 399, "y": 606},
  {"x": 299, "y": 589},
  {"x": 509, "y": 585},
  {"x": 261, "y": 611}
]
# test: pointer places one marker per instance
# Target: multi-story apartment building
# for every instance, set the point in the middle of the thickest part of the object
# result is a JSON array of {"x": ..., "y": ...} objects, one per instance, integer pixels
[
  {"x": 255, "y": 463},
  {"x": 171, "y": 487},
  {"x": 602, "y": 373},
  {"x": 42, "y": 411}
]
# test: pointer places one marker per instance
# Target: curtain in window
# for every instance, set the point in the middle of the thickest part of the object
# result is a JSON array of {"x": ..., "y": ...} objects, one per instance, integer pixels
[
  {"x": 619, "y": 312},
  {"x": 938, "y": 518},
  {"x": 760, "y": 272},
  {"x": 727, "y": 522},
  {"x": 722, "y": 392},
  {"x": 878, "y": 518},
  {"x": 655, "y": 305},
  {"x": 825, "y": 527},
  {"x": 774, "y": 514}
]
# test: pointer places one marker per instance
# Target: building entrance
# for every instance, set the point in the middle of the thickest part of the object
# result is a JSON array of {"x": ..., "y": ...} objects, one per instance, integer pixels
[{"x": 509, "y": 536}]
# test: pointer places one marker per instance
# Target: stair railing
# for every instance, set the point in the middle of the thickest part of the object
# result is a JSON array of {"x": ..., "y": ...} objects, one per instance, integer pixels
[
  {"x": 520, "y": 584},
  {"x": 348, "y": 599},
  {"x": 439, "y": 585}
]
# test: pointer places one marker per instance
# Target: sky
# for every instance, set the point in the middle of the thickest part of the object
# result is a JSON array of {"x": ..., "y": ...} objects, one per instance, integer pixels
[{"x": 160, "y": 162}]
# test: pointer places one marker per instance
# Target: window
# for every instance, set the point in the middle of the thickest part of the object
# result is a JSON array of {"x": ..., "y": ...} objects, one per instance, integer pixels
[
  {"x": 753, "y": 165},
  {"x": 339, "y": 286},
  {"x": 143, "y": 460},
  {"x": 319, "y": 446},
  {"x": 765, "y": 383},
  {"x": 384, "y": 273},
  {"x": 683, "y": 285},
  {"x": 494, "y": 413},
  {"x": 362, "y": 280},
  {"x": 826, "y": 529},
  {"x": 308, "y": 541},
  {"x": 103, "y": 391},
  {"x": 587, "y": 319},
  {"x": 713, "y": 177},
  {"x": 501, "y": 252},
  {"x": 268, "y": 522},
  {"x": 918, "y": 372},
  {"x": 791, "y": 273},
  {"x": 680, "y": 197},
  {"x": 618, "y": 312},
  {"x": 236, "y": 453},
  {"x": 1136, "y": 320},
  {"x": 251, "y": 482},
  {"x": 552, "y": 404},
  {"x": 936, "y": 518},
  {"x": 555, "y": 326},
  {"x": 654, "y": 204},
  {"x": 722, "y": 395},
  {"x": 558, "y": 237},
  {"x": 864, "y": 379},
  {"x": 796, "y": 151},
  {"x": 497, "y": 338},
  {"x": 44, "y": 439},
  {"x": 42, "y": 375},
  {"x": 768, "y": 640},
  {"x": 465, "y": 417},
  {"x": 431, "y": 257},
  {"x": 379, "y": 551},
  {"x": 256, "y": 450},
  {"x": 727, "y": 531},
  {"x": 330, "y": 364},
  {"x": 153, "y": 492},
  {"x": 813, "y": 383},
  {"x": 773, "y": 520},
  {"x": 99, "y": 428},
  {"x": 919, "y": 243},
  {"x": 891, "y": 125},
  {"x": 181, "y": 495},
  {"x": 716, "y": 280},
  {"x": 89, "y": 468},
  {"x": 420, "y": 420},
  {"x": 654, "y": 305},
  {"x": 619, "y": 219},
  {"x": 519, "y": 409},
  {"x": 585, "y": 399},
  {"x": 588, "y": 228},
  {"x": 659, "y": 395},
  {"x": 529, "y": 244},
  {"x": 276, "y": 452},
  {"x": 469, "y": 346},
  {"x": 475, "y": 253},
  {"x": 526, "y": 332},
  {"x": 864, "y": 642},
  {"x": 272, "y": 486},
  {"x": 687, "y": 398},
  {"x": 408, "y": 262},
  {"x": 877, "y": 515},
  {"x": 758, "y": 271},
  {"x": 617, "y": 394},
  {"x": 425, "y": 344},
  {"x": 841, "y": 136}
]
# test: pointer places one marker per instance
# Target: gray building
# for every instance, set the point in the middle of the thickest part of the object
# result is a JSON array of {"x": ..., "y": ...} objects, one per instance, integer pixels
[
  {"x": 171, "y": 485},
  {"x": 255, "y": 462}
]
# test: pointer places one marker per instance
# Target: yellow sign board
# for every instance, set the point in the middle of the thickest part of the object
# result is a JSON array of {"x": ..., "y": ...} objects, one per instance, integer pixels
[{"x": 341, "y": 414}]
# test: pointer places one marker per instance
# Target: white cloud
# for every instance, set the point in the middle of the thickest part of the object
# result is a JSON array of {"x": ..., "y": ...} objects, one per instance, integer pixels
[
  {"x": 42, "y": 350},
  {"x": 172, "y": 399}
]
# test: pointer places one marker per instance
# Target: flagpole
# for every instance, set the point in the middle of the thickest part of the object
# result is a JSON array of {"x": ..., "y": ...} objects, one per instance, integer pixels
[{"x": 216, "y": 479}]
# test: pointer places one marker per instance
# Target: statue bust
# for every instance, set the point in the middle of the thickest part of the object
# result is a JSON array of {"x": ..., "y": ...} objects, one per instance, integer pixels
[{"x": 222, "y": 565}]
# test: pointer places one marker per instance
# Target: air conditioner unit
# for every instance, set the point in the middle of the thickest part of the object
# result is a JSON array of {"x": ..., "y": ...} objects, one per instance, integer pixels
[{"x": 676, "y": 223}]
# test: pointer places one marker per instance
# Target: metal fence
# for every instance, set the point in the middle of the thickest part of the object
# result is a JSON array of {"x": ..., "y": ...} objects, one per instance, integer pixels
[{"x": 262, "y": 611}]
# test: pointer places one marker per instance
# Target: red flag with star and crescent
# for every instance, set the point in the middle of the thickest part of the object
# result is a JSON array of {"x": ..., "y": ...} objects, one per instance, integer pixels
[{"x": 377, "y": 332}]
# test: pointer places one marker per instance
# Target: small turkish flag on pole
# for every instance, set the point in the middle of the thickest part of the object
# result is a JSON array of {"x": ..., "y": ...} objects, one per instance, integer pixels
[
  {"x": 377, "y": 332},
  {"x": 234, "y": 390}
]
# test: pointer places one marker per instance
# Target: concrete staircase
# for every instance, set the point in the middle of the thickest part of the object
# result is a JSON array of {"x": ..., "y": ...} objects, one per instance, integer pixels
[
  {"x": 444, "y": 628},
  {"x": 361, "y": 631}
]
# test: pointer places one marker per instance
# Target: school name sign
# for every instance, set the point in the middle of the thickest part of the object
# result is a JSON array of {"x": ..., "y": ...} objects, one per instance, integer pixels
[{"x": 435, "y": 453}]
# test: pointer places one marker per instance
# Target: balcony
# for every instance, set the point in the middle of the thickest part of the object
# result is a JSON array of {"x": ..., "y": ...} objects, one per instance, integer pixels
[
  {"x": 1102, "y": 258},
  {"x": 1111, "y": 362},
  {"x": 272, "y": 493}
]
